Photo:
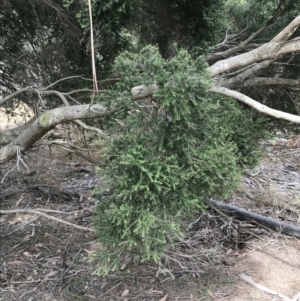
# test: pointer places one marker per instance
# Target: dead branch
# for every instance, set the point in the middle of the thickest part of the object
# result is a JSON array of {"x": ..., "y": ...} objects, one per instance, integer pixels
[
  {"x": 15, "y": 94},
  {"x": 277, "y": 47},
  {"x": 267, "y": 290},
  {"x": 61, "y": 80},
  {"x": 9, "y": 135},
  {"x": 88, "y": 127},
  {"x": 33, "y": 211},
  {"x": 45, "y": 123},
  {"x": 241, "y": 75},
  {"x": 79, "y": 122},
  {"x": 143, "y": 91},
  {"x": 83, "y": 90},
  {"x": 255, "y": 104},
  {"x": 225, "y": 54},
  {"x": 271, "y": 223}
]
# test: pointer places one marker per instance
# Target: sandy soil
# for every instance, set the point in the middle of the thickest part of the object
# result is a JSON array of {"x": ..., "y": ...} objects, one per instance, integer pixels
[{"x": 273, "y": 263}]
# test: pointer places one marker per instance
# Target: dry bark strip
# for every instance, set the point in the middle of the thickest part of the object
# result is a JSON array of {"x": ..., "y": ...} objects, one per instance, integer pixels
[{"x": 269, "y": 222}]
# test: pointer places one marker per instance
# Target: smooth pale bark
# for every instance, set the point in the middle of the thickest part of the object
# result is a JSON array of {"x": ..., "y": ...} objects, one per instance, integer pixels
[
  {"x": 255, "y": 104},
  {"x": 45, "y": 123},
  {"x": 242, "y": 75},
  {"x": 143, "y": 91},
  {"x": 14, "y": 95},
  {"x": 275, "y": 48},
  {"x": 212, "y": 58}
]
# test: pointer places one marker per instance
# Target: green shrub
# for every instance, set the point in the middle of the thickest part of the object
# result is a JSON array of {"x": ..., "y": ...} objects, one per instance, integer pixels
[{"x": 164, "y": 158}]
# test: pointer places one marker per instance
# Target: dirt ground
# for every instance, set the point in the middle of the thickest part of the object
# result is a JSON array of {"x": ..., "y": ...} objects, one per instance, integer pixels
[{"x": 44, "y": 259}]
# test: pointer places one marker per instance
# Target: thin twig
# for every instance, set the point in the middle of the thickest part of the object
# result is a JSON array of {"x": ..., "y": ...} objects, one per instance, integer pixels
[
  {"x": 47, "y": 216},
  {"x": 263, "y": 288},
  {"x": 62, "y": 79}
]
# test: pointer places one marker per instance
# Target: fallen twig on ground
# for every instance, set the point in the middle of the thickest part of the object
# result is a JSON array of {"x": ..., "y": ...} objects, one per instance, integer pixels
[
  {"x": 47, "y": 216},
  {"x": 267, "y": 290},
  {"x": 271, "y": 223}
]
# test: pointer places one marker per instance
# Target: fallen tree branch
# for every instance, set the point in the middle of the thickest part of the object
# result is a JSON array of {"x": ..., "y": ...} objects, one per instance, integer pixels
[
  {"x": 47, "y": 216},
  {"x": 45, "y": 123},
  {"x": 269, "y": 222},
  {"x": 15, "y": 94},
  {"x": 255, "y": 104},
  {"x": 8, "y": 136},
  {"x": 225, "y": 54},
  {"x": 272, "y": 50},
  {"x": 242, "y": 75},
  {"x": 143, "y": 91},
  {"x": 88, "y": 127},
  {"x": 67, "y": 104}
]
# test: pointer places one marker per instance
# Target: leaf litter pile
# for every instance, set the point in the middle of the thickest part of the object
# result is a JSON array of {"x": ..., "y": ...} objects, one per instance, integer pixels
[{"x": 44, "y": 259}]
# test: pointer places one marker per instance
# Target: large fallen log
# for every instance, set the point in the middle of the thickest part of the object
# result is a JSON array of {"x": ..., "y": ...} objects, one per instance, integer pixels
[
  {"x": 47, "y": 121},
  {"x": 269, "y": 222}
]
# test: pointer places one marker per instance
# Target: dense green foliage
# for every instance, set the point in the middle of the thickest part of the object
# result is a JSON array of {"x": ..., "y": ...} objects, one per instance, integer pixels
[{"x": 166, "y": 155}]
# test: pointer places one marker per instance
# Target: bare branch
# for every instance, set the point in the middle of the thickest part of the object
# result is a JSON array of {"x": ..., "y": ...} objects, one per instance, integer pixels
[
  {"x": 242, "y": 75},
  {"x": 61, "y": 80},
  {"x": 83, "y": 90},
  {"x": 254, "y": 104},
  {"x": 222, "y": 55},
  {"x": 268, "y": 81},
  {"x": 59, "y": 94},
  {"x": 9, "y": 135},
  {"x": 287, "y": 32},
  {"x": 290, "y": 47},
  {"x": 80, "y": 123},
  {"x": 45, "y": 123},
  {"x": 143, "y": 91},
  {"x": 265, "y": 289},
  {"x": 269, "y": 51},
  {"x": 88, "y": 127},
  {"x": 13, "y": 95},
  {"x": 47, "y": 216}
]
